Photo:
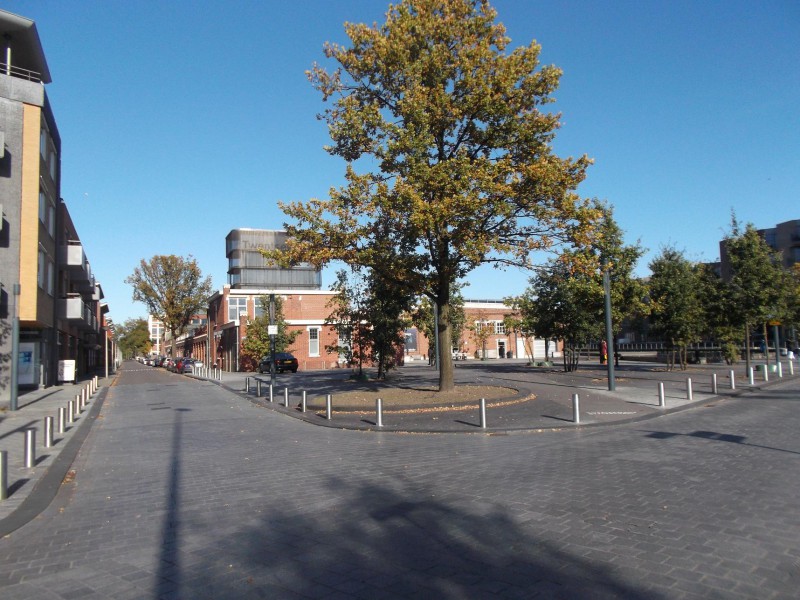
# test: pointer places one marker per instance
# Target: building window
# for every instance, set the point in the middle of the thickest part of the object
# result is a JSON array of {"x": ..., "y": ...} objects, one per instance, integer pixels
[
  {"x": 50, "y": 276},
  {"x": 40, "y": 273},
  {"x": 499, "y": 328},
  {"x": 236, "y": 306},
  {"x": 313, "y": 341}
]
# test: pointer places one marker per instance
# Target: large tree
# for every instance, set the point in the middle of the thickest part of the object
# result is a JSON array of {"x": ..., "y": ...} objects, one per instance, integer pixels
[
  {"x": 133, "y": 337},
  {"x": 458, "y": 168},
  {"x": 173, "y": 289}
]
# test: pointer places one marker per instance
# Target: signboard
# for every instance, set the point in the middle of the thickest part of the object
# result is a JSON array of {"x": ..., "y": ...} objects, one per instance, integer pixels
[
  {"x": 272, "y": 329},
  {"x": 26, "y": 374},
  {"x": 66, "y": 370}
]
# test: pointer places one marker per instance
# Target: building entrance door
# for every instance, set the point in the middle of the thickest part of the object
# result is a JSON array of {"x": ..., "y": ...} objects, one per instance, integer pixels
[{"x": 501, "y": 348}]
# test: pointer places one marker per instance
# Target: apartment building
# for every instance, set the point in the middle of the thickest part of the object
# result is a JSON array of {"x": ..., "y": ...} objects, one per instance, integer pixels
[{"x": 45, "y": 279}]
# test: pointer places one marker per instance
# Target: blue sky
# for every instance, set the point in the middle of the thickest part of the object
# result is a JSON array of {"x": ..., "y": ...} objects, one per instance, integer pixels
[{"x": 183, "y": 120}]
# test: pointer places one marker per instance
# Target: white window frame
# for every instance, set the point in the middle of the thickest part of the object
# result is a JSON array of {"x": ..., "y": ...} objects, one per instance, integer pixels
[
  {"x": 237, "y": 307},
  {"x": 314, "y": 341}
]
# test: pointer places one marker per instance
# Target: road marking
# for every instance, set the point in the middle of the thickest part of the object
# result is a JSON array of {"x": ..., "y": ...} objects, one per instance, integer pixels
[{"x": 618, "y": 412}]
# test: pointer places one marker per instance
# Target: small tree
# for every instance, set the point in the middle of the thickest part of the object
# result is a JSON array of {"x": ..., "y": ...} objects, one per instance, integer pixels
[
  {"x": 349, "y": 317},
  {"x": 423, "y": 319},
  {"x": 676, "y": 303},
  {"x": 481, "y": 332},
  {"x": 173, "y": 289},
  {"x": 257, "y": 344},
  {"x": 757, "y": 282}
]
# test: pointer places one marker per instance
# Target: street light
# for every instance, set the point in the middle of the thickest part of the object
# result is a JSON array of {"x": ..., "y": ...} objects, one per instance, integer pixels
[
  {"x": 609, "y": 334},
  {"x": 15, "y": 349}
]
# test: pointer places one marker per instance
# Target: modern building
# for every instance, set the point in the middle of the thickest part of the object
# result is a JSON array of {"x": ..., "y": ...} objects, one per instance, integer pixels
[
  {"x": 45, "y": 279},
  {"x": 783, "y": 238},
  {"x": 247, "y": 268}
]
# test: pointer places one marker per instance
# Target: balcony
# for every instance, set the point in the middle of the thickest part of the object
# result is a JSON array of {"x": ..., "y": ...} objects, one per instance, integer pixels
[
  {"x": 72, "y": 258},
  {"x": 74, "y": 310}
]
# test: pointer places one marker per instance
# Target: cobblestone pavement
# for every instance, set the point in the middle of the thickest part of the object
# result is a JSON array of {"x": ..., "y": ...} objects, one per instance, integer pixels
[{"x": 184, "y": 489}]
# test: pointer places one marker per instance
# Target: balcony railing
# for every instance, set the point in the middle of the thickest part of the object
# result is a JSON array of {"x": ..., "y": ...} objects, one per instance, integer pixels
[{"x": 20, "y": 73}]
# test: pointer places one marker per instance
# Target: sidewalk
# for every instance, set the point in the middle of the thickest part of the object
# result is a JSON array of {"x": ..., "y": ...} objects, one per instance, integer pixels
[{"x": 30, "y": 490}]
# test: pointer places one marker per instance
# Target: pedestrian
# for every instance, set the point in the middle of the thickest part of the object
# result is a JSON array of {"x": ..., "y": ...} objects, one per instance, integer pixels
[{"x": 603, "y": 352}]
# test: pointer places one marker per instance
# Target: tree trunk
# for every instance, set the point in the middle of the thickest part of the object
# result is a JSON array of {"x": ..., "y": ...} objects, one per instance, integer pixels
[{"x": 446, "y": 373}]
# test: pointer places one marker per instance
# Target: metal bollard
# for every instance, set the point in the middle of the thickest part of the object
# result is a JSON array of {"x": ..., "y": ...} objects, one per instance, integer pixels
[
  {"x": 247, "y": 385},
  {"x": 714, "y": 384},
  {"x": 482, "y": 408},
  {"x": 689, "y": 394},
  {"x": 780, "y": 370},
  {"x": 751, "y": 376},
  {"x": 70, "y": 412},
  {"x": 766, "y": 372},
  {"x": 733, "y": 380},
  {"x": 328, "y": 407},
  {"x": 258, "y": 388},
  {"x": 662, "y": 402},
  {"x": 48, "y": 432},
  {"x": 286, "y": 397},
  {"x": 303, "y": 402},
  {"x": 576, "y": 409},
  {"x": 62, "y": 418},
  {"x": 379, "y": 412},
  {"x": 271, "y": 393},
  {"x": 30, "y": 448},
  {"x": 3, "y": 474},
  {"x": 791, "y": 367}
]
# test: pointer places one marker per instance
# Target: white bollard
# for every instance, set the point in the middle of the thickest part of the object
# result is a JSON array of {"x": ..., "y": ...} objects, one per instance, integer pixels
[
  {"x": 576, "y": 409},
  {"x": 30, "y": 448},
  {"x": 791, "y": 367},
  {"x": 482, "y": 408},
  {"x": 328, "y": 407},
  {"x": 48, "y": 432},
  {"x": 751, "y": 376},
  {"x": 286, "y": 397},
  {"x": 661, "y": 398},
  {"x": 780, "y": 370},
  {"x": 733, "y": 380},
  {"x": 3, "y": 474},
  {"x": 379, "y": 412},
  {"x": 689, "y": 394},
  {"x": 714, "y": 384},
  {"x": 62, "y": 417},
  {"x": 766, "y": 372},
  {"x": 303, "y": 402}
]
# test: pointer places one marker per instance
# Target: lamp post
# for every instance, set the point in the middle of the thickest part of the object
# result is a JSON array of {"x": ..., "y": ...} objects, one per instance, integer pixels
[
  {"x": 15, "y": 349},
  {"x": 105, "y": 358},
  {"x": 609, "y": 334}
]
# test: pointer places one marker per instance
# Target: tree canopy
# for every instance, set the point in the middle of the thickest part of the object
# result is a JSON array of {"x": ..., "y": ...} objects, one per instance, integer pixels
[
  {"x": 447, "y": 124},
  {"x": 257, "y": 344},
  {"x": 172, "y": 288},
  {"x": 133, "y": 337}
]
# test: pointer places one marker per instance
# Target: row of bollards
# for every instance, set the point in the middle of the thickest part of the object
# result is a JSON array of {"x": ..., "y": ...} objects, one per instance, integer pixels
[
  {"x": 662, "y": 403},
  {"x": 66, "y": 414}
]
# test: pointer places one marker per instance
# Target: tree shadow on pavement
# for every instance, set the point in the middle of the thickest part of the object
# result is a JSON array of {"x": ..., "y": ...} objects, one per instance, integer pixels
[{"x": 369, "y": 541}]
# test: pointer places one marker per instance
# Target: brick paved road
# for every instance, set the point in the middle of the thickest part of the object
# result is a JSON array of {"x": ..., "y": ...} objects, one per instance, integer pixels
[{"x": 183, "y": 490}]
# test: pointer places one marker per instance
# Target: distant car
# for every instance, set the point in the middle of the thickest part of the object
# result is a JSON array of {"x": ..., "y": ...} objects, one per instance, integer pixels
[
  {"x": 187, "y": 366},
  {"x": 283, "y": 362},
  {"x": 169, "y": 364}
]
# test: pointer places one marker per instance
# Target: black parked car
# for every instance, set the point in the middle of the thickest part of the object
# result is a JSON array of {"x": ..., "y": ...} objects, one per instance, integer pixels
[{"x": 283, "y": 362}]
